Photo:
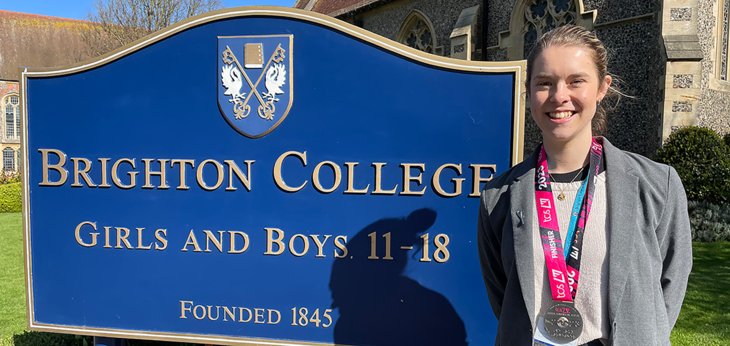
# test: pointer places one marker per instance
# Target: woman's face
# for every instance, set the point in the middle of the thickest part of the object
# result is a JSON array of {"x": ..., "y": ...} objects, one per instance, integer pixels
[{"x": 564, "y": 92}]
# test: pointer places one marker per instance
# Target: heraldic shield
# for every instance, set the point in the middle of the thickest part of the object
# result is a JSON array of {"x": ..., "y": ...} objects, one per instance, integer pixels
[{"x": 255, "y": 86}]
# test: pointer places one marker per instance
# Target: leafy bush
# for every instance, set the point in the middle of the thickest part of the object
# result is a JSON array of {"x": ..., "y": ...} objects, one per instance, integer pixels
[
  {"x": 727, "y": 139},
  {"x": 9, "y": 178},
  {"x": 702, "y": 160},
  {"x": 10, "y": 198},
  {"x": 710, "y": 222},
  {"x": 51, "y": 339}
]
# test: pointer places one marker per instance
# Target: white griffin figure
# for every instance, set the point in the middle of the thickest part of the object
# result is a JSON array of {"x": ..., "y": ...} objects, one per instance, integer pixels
[
  {"x": 275, "y": 79},
  {"x": 232, "y": 81}
]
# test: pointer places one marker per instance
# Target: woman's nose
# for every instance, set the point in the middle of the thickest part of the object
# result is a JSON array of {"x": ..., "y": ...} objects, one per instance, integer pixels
[{"x": 560, "y": 93}]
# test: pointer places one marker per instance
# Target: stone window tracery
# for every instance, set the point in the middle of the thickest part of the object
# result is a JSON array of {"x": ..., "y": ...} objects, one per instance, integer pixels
[
  {"x": 12, "y": 117},
  {"x": 417, "y": 32},
  {"x": 543, "y": 15},
  {"x": 8, "y": 160},
  {"x": 723, "y": 41}
]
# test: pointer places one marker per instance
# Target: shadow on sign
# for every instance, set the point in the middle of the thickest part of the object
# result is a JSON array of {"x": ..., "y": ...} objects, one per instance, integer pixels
[{"x": 378, "y": 304}]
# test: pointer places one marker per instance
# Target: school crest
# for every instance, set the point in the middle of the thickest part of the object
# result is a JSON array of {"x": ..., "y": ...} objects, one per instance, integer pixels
[{"x": 255, "y": 82}]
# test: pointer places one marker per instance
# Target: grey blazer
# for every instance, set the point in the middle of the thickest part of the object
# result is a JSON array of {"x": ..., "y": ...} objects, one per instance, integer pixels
[{"x": 649, "y": 250}]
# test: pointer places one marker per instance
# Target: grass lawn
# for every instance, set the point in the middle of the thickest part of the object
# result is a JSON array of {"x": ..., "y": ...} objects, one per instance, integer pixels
[
  {"x": 705, "y": 317},
  {"x": 12, "y": 287}
]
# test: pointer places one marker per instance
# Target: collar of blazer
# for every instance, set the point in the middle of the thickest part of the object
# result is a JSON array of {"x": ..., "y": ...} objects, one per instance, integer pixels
[{"x": 622, "y": 197}]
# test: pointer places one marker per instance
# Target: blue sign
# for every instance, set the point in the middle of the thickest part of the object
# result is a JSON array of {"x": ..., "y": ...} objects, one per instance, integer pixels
[{"x": 186, "y": 188}]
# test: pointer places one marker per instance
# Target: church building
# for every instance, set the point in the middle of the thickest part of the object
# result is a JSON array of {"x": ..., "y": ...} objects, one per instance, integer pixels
[{"x": 670, "y": 56}]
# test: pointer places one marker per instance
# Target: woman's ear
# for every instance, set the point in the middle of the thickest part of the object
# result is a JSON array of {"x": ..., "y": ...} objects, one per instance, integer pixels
[{"x": 604, "y": 87}]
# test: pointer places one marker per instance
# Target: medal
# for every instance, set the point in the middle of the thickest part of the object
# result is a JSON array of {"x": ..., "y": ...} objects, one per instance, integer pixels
[{"x": 563, "y": 322}]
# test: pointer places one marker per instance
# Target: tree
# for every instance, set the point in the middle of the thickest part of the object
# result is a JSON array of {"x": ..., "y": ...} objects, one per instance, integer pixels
[{"x": 119, "y": 22}]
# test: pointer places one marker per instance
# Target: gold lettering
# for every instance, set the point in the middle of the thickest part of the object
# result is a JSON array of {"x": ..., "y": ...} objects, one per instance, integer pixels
[
  {"x": 201, "y": 315},
  {"x": 279, "y": 180},
  {"x": 304, "y": 240},
  {"x": 122, "y": 238},
  {"x": 183, "y": 182},
  {"x": 132, "y": 174},
  {"x": 140, "y": 230},
  {"x": 243, "y": 178},
  {"x": 219, "y": 170},
  {"x": 408, "y": 178},
  {"x": 379, "y": 179},
  {"x": 232, "y": 248},
  {"x": 341, "y": 244},
  {"x": 58, "y": 167},
  {"x": 104, "y": 175},
  {"x": 436, "y": 181},
  {"x": 270, "y": 241},
  {"x": 217, "y": 242},
  {"x": 161, "y": 236},
  {"x": 478, "y": 180},
  {"x": 191, "y": 240},
  {"x": 229, "y": 313},
  {"x": 319, "y": 243},
  {"x": 351, "y": 180},
  {"x": 183, "y": 308},
  {"x": 278, "y": 317},
  {"x": 148, "y": 173},
  {"x": 240, "y": 315},
  {"x": 335, "y": 169},
  {"x": 107, "y": 237},
  {"x": 259, "y": 313},
  {"x": 83, "y": 173},
  {"x": 210, "y": 314},
  {"x": 93, "y": 234}
]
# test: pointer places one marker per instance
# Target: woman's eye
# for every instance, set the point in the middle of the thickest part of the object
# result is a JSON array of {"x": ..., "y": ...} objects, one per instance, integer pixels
[
  {"x": 543, "y": 83},
  {"x": 578, "y": 82}
]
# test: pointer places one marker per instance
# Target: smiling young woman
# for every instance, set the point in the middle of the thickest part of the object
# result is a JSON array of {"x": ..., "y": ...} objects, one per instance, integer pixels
[{"x": 582, "y": 243}]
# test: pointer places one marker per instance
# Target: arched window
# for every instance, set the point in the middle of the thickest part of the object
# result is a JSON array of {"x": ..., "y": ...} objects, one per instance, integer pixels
[
  {"x": 543, "y": 15},
  {"x": 12, "y": 117},
  {"x": 532, "y": 18},
  {"x": 8, "y": 160},
  {"x": 417, "y": 32}
]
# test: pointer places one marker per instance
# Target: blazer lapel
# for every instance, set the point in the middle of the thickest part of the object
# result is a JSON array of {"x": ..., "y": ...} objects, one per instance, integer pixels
[
  {"x": 621, "y": 194},
  {"x": 522, "y": 199}
]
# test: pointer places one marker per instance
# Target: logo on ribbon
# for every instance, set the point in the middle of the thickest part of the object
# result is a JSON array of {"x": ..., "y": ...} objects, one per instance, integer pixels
[{"x": 255, "y": 82}]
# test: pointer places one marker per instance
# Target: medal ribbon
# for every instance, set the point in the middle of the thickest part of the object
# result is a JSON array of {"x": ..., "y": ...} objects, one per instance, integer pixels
[
  {"x": 574, "y": 216},
  {"x": 563, "y": 266}
]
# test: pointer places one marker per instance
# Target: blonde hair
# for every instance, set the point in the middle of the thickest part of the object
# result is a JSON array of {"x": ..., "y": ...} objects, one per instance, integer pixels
[{"x": 576, "y": 36}]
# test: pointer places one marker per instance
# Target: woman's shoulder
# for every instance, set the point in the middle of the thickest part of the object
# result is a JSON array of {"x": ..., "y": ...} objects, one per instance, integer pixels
[
  {"x": 641, "y": 165},
  {"x": 652, "y": 175},
  {"x": 495, "y": 188},
  {"x": 506, "y": 178}
]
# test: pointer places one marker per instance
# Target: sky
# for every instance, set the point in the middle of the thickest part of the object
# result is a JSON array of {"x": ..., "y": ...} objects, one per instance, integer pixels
[{"x": 80, "y": 9}]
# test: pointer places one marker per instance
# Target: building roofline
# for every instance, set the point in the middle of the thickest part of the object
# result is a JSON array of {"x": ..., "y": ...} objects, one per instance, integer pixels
[
  {"x": 355, "y": 7},
  {"x": 6, "y": 14},
  {"x": 311, "y": 5}
]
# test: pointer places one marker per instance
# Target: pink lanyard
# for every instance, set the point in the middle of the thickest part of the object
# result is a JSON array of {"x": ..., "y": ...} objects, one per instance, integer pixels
[{"x": 563, "y": 276}]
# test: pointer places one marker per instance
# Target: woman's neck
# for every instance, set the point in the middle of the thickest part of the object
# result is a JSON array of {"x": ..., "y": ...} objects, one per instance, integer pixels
[{"x": 567, "y": 156}]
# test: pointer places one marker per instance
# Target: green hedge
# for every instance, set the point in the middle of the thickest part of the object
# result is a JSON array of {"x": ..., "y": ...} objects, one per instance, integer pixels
[
  {"x": 702, "y": 160},
  {"x": 710, "y": 222},
  {"x": 51, "y": 339},
  {"x": 10, "y": 198}
]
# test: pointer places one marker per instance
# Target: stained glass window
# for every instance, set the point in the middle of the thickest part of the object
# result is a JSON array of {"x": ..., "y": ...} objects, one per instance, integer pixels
[
  {"x": 417, "y": 34},
  {"x": 543, "y": 15}
]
